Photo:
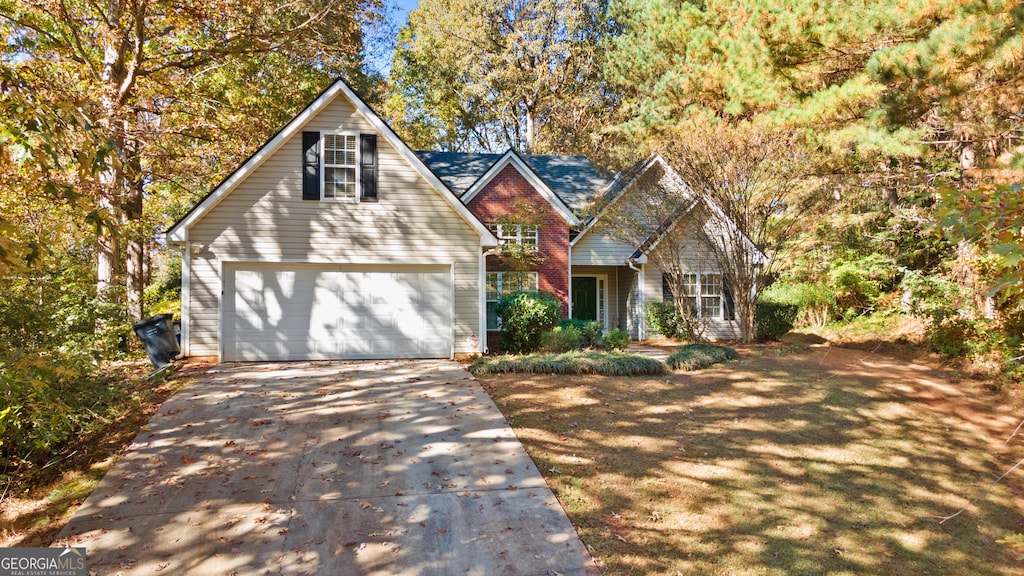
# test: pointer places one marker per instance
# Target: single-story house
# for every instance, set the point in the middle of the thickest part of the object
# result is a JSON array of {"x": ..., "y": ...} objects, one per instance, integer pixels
[{"x": 335, "y": 240}]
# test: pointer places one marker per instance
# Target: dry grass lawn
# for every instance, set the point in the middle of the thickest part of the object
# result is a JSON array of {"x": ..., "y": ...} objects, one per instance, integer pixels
[{"x": 792, "y": 460}]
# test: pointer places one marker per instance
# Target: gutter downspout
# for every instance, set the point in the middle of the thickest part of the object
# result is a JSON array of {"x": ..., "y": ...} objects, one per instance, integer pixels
[
  {"x": 482, "y": 345},
  {"x": 641, "y": 329}
]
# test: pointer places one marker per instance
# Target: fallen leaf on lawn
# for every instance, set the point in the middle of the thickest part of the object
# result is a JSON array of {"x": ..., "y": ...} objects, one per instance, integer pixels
[{"x": 621, "y": 539}]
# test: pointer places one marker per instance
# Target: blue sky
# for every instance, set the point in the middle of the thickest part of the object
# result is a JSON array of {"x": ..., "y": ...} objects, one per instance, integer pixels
[{"x": 380, "y": 43}]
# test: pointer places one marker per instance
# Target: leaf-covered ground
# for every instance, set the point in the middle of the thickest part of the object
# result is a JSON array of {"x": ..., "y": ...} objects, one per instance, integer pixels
[{"x": 793, "y": 460}]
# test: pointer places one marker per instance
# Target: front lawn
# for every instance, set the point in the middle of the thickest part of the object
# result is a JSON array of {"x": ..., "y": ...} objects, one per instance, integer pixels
[{"x": 795, "y": 461}]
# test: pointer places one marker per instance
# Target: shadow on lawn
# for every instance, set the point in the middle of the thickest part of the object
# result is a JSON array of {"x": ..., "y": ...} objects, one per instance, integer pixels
[{"x": 828, "y": 461}]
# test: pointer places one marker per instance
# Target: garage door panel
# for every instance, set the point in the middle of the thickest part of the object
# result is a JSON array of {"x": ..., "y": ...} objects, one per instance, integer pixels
[{"x": 295, "y": 312}]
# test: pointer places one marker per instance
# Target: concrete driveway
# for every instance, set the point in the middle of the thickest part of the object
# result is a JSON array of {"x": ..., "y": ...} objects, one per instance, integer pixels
[{"x": 403, "y": 467}]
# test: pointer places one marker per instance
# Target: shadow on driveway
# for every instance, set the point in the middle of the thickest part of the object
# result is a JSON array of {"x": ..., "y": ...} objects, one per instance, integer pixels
[{"x": 399, "y": 467}]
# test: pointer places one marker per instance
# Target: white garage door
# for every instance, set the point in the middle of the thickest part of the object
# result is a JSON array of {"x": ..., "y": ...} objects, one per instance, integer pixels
[{"x": 323, "y": 312}]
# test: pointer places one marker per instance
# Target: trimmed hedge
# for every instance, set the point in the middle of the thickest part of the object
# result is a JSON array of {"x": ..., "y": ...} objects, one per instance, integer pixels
[
  {"x": 696, "y": 356},
  {"x": 603, "y": 363}
]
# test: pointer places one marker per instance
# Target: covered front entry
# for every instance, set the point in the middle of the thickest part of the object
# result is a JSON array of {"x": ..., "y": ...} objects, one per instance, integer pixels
[
  {"x": 321, "y": 312},
  {"x": 590, "y": 298}
]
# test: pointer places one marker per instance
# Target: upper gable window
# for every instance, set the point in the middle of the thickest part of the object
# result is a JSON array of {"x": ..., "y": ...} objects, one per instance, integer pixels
[
  {"x": 340, "y": 167},
  {"x": 526, "y": 236}
]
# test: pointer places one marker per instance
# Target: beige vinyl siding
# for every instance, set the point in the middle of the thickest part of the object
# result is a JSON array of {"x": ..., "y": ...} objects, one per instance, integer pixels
[
  {"x": 265, "y": 219},
  {"x": 596, "y": 249}
]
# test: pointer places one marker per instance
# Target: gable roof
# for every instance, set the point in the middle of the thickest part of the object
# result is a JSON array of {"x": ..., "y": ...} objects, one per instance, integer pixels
[
  {"x": 573, "y": 179},
  {"x": 178, "y": 232},
  {"x": 510, "y": 158},
  {"x": 623, "y": 182}
]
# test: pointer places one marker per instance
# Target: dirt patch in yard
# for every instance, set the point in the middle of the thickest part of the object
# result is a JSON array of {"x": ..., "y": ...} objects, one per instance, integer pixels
[{"x": 799, "y": 458}]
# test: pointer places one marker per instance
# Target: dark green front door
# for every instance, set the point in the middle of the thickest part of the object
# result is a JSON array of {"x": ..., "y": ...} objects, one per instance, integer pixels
[{"x": 584, "y": 298}]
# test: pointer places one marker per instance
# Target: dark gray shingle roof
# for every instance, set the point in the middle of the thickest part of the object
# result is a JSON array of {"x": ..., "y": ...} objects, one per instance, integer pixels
[{"x": 573, "y": 178}]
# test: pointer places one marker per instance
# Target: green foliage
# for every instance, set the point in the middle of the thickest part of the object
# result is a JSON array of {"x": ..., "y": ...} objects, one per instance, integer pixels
[
  {"x": 524, "y": 316},
  {"x": 561, "y": 339},
  {"x": 813, "y": 300},
  {"x": 663, "y": 318},
  {"x": 163, "y": 295},
  {"x": 501, "y": 75},
  {"x": 992, "y": 217},
  {"x": 696, "y": 356},
  {"x": 605, "y": 363},
  {"x": 616, "y": 339},
  {"x": 773, "y": 319},
  {"x": 45, "y": 403},
  {"x": 590, "y": 331},
  {"x": 858, "y": 283},
  {"x": 1014, "y": 542},
  {"x": 952, "y": 337}
]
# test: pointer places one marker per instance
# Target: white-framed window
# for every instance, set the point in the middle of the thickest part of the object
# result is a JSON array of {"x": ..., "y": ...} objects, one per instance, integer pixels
[
  {"x": 704, "y": 294},
  {"x": 503, "y": 283},
  {"x": 525, "y": 235},
  {"x": 711, "y": 296},
  {"x": 340, "y": 166}
]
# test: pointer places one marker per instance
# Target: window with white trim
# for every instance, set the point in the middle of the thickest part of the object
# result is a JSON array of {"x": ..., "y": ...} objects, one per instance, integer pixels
[
  {"x": 502, "y": 284},
  {"x": 707, "y": 290},
  {"x": 525, "y": 235},
  {"x": 340, "y": 165},
  {"x": 711, "y": 296}
]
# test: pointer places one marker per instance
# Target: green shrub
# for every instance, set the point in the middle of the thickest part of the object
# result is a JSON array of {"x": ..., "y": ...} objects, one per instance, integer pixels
[
  {"x": 952, "y": 337},
  {"x": 858, "y": 283},
  {"x": 576, "y": 362},
  {"x": 697, "y": 356},
  {"x": 590, "y": 331},
  {"x": 616, "y": 339},
  {"x": 663, "y": 318},
  {"x": 561, "y": 339},
  {"x": 524, "y": 317},
  {"x": 812, "y": 299},
  {"x": 773, "y": 319}
]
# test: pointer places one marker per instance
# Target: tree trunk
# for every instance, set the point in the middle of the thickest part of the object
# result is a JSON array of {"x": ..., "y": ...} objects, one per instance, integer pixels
[
  {"x": 136, "y": 253},
  {"x": 531, "y": 131}
]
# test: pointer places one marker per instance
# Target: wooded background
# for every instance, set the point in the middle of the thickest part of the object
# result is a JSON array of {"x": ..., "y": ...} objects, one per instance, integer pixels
[{"x": 117, "y": 116}]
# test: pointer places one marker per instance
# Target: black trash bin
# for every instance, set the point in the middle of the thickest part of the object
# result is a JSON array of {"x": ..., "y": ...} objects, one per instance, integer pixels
[{"x": 157, "y": 335}]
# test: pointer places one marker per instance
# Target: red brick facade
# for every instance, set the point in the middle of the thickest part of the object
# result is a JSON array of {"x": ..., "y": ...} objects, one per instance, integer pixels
[{"x": 509, "y": 192}]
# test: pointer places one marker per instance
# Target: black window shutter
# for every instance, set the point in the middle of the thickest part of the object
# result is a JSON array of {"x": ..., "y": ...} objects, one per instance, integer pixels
[
  {"x": 730, "y": 304},
  {"x": 666, "y": 291},
  {"x": 310, "y": 165},
  {"x": 368, "y": 167}
]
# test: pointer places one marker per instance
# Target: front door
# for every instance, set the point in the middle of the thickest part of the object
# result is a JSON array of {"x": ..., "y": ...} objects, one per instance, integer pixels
[{"x": 584, "y": 298}]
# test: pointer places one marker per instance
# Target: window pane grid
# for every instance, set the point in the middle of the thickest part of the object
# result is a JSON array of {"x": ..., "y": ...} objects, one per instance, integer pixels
[
  {"x": 340, "y": 165},
  {"x": 518, "y": 234}
]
